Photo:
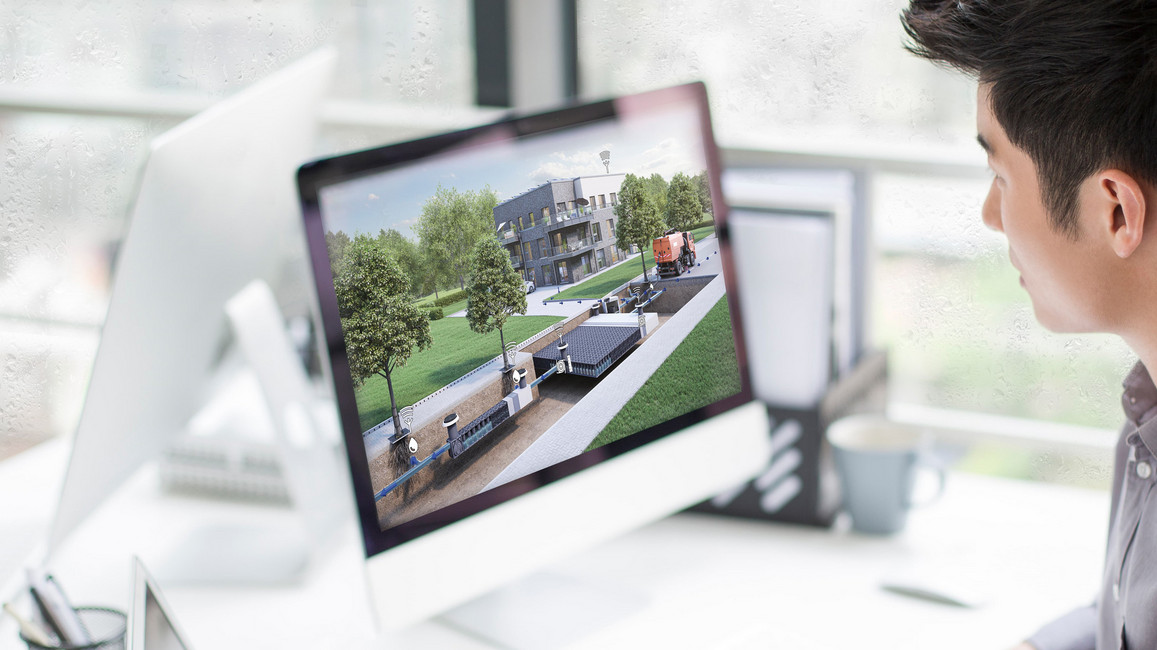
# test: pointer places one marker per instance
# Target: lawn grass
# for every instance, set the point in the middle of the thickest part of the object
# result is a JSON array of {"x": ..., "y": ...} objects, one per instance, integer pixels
[
  {"x": 615, "y": 277},
  {"x": 454, "y": 307},
  {"x": 427, "y": 302},
  {"x": 609, "y": 280},
  {"x": 702, "y": 369},
  {"x": 456, "y": 351}
]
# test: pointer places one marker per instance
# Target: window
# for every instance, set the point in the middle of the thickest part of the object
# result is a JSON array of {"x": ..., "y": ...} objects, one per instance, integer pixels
[
  {"x": 561, "y": 207},
  {"x": 613, "y": 200},
  {"x": 602, "y": 201},
  {"x": 601, "y": 259},
  {"x": 82, "y": 170},
  {"x": 598, "y": 236},
  {"x": 610, "y": 228},
  {"x": 562, "y": 272},
  {"x": 520, "y": 226},
  {"x": 526, "y": 251},
  {"x": 545, "y": 216},
  {"x": 542, "y": 250},
  {"x": 848, "y": 49},
  {"x": 530, "y": 219}
]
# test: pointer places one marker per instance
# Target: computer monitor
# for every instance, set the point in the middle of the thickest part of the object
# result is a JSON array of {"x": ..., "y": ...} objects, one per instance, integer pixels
[
  {"x": 216, "y": 209},
  {"x": 487, "y": 436}
]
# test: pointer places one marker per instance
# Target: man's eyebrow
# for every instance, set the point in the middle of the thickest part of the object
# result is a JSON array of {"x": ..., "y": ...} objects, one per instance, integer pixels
[{"x": 984, "y": 144}]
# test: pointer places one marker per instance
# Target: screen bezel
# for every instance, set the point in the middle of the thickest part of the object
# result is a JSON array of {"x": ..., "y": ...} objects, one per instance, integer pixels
[{"x": 315, "y": 176}]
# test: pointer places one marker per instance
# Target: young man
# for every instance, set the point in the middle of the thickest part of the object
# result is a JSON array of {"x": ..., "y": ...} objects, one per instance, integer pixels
[{"x": 1067, "y": 112}]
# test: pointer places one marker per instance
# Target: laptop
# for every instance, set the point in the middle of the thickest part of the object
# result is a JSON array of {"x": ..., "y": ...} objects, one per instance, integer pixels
[{"x": 151, "y": 625}]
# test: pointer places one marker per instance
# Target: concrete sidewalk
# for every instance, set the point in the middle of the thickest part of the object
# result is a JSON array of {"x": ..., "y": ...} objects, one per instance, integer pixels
[{"x": 570, "y": 436}]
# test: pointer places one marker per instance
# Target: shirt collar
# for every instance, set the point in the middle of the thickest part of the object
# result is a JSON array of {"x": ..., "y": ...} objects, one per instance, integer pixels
[{"x": 1140, "y": 397}]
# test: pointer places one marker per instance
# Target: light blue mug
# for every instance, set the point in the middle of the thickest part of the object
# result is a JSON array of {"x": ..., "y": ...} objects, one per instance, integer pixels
[{"x": 876, "y": 461}]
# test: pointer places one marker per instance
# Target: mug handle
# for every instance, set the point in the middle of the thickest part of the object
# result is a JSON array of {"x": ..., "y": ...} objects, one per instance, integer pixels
[{"x": 933, "y": 465}]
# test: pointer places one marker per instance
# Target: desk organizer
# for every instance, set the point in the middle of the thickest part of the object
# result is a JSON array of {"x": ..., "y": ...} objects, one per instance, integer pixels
[
  {"x": 104, "y": 624},
  {"x": 800, "y": 484}
]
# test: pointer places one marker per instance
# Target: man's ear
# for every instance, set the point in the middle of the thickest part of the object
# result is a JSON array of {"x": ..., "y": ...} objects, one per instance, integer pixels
[{"x": 1124, "y": 209}]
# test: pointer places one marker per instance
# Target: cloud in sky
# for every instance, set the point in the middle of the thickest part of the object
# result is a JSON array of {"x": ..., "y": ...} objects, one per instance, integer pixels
[
  {"x": 561, "y": 164},
  {"x": 666, "y": 159}
]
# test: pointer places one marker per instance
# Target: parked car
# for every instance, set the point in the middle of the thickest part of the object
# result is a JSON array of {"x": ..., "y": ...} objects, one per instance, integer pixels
[{"x": 529, "y": 286}]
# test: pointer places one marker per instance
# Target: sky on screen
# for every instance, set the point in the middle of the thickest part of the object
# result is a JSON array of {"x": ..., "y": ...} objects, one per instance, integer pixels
[{"x": 663, "y": 143}]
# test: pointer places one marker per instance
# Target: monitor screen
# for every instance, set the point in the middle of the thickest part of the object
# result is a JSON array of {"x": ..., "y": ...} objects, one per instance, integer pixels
[{"x": 509, "y": 304}]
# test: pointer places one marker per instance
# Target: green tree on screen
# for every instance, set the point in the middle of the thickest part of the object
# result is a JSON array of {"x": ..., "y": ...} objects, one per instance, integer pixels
[
  {"x": 335, "y": 245},
  {"x": 639, "y": 221},
  {"x": 703, "y": 187},
  {"x": 657, "y": 189},
  {"x": 451, "y": 223},
  {"x": 406, "y": 254},
  {"x": 683, "y": 207},
  {"x": 380, "y": 325},
  {"x": 495, "y": 290}
]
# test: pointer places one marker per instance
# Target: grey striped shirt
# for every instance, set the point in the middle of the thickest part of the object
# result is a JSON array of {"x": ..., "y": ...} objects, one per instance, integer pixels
[{"x": 1125, "y": 613}]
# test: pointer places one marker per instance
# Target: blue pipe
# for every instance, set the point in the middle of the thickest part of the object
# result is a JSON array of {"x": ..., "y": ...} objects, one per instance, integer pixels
[
  {"x": 651, "y": 299},
  {"x": 546, "y": 374},
  {"x": 410, "y": 474}
]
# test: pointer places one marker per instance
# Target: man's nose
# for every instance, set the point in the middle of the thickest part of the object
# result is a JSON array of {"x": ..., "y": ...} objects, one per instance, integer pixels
[{"x": 990, "y": 211}]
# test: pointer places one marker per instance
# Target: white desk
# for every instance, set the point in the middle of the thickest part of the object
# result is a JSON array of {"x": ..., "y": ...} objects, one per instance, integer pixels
[{"x": 709, "y": 581}]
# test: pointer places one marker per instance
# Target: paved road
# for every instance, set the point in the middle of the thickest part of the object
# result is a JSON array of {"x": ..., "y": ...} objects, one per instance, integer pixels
[{"x": 707, "y": 264}]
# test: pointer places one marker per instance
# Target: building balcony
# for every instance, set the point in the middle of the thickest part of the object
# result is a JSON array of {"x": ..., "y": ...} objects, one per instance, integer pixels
[
  {"x": 507, "y": 236},
  {"x": 516, "y": 262},
  {"x": 569, "y": 218},
  {"x": 574, "y": 247}
]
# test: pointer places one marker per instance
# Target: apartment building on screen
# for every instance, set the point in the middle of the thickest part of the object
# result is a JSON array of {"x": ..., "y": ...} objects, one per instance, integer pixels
[{"x": 563, "y": 230}]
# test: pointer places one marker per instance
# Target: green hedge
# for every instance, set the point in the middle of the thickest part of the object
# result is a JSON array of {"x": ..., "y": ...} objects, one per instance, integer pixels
[
  {"x": 450, "y": 298},
  {"x": 434, "y": 313}
]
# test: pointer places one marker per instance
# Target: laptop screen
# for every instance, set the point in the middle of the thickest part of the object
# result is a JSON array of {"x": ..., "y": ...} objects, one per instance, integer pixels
[{"x": 505, "y": 301}]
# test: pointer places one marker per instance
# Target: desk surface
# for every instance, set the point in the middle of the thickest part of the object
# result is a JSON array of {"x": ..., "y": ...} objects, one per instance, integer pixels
[{"x": 1035, "y": 550}]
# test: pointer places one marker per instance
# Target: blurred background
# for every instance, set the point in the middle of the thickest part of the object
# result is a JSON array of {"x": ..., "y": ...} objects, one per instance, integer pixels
[{"x": 85, "y": 85}]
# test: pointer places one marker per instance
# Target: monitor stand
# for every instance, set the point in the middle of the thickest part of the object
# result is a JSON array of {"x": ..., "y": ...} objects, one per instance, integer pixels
[
  {"x": 544, "y": 610},
  {"x": 277, "y": 551}
]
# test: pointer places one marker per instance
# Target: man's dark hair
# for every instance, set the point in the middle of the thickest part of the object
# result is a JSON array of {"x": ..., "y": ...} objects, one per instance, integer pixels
[{"x": 1072, "y": 82}]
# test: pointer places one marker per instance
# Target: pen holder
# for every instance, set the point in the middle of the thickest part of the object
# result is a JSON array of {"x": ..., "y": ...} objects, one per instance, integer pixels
[{"x": 104, "y": 625}]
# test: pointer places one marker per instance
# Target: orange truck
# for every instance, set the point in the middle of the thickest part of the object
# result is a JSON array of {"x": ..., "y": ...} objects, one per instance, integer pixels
[{"x": 674, "y": 252}]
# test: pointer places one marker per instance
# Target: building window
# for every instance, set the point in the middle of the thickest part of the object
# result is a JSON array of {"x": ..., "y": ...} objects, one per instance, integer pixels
[
  {"x": 520, "y": 226},
  {"x": 530, "y": 219},
  {"x": 542, "y": 250},
  {"x": 598, "y": 235},
  {"x": 526, "y": 251},
  {"x": 610, "y": 227},
  {"x": 570, "y": 205},
  {"x": 602, "y": 200},
  {"x": 545, "y": 216},
  {"x": 562, "y": 272},
  {"x": 601, "y": 258},
  {"x": 613, "y": 200},
  {"x": 561, "y": 207}
]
